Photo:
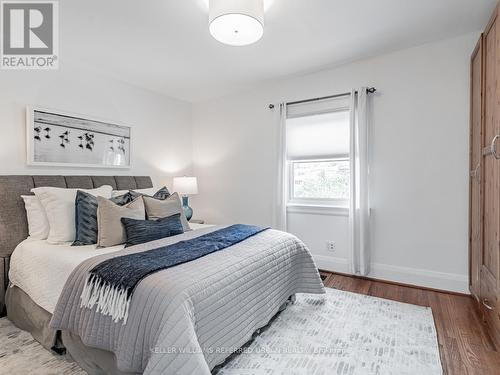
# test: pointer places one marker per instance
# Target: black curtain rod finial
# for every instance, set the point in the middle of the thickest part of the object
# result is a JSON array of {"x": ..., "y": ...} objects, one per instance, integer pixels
[{"x": 271, "y": 106}]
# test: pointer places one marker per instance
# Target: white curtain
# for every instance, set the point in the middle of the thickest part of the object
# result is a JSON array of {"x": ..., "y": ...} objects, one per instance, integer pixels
[
  {"x": 359, "y": 207},
  {"x": 280, "y": 219}
]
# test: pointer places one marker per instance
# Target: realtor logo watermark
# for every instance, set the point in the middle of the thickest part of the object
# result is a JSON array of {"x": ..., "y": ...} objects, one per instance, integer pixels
[{"x": 29, "y": 35}]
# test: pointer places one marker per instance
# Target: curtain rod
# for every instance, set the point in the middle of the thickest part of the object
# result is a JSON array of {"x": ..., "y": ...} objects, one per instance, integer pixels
[{"x": 369, "y": 90}]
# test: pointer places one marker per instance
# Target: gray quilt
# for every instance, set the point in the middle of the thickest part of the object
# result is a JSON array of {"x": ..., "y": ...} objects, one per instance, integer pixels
[{"x": 189, "y": 318}]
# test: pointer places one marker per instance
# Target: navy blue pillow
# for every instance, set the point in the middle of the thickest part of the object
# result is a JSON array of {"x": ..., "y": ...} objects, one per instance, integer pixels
[
  {"x": 142, "y": 231},
  {"x": 86, "y": 216}
]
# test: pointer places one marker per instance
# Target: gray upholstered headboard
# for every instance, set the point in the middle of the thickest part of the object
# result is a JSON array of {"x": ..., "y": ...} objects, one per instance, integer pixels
[{"x": 13, "y": 224}]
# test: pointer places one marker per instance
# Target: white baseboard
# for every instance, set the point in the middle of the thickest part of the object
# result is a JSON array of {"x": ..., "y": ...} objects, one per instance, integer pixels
[
  {"x": 332, "y": 264},
  {"x": 413, "y": 276},
  {"x": 431, "y": 279}
]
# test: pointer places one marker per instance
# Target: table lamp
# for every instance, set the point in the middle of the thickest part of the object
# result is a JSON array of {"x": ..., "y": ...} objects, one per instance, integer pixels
[{"x": 186, "y": 186}]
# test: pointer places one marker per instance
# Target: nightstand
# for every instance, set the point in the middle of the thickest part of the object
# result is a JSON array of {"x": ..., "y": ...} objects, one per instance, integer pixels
[{"x": 197, "y": 221}]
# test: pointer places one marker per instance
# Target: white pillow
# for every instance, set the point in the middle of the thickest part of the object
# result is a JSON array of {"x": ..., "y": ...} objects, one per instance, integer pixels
[
  {"x": 59, "y": 205},
  {"x": 148, "y": 191},
  {"x": 38, "y": 224}
]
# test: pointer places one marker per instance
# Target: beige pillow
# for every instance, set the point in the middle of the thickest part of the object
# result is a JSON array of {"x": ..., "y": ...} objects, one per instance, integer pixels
[
  {"x": 110, "y": 228},
  {"x": 157, "y": 209}
]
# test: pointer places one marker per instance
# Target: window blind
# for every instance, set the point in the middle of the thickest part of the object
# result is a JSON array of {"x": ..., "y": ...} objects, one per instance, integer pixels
[{"x": 318, "y": 136}]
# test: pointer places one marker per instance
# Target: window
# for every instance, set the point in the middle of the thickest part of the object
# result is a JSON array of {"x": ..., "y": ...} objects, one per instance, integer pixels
[
  {"x": 324, "y": 181},
  {"x": 318, "y": 155}
]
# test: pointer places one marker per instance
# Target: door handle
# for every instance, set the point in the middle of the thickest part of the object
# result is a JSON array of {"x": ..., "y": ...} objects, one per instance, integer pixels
[
  {"x": 494, "y": 146},
  {"x": 486, "y": 304}
]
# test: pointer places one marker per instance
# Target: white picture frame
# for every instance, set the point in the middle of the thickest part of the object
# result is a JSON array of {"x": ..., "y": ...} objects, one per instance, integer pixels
[{"x": 56, "y": 138}]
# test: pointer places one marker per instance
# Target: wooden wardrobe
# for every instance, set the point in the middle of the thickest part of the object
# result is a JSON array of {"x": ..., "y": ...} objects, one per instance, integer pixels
[{"x": 484, "y": 220}]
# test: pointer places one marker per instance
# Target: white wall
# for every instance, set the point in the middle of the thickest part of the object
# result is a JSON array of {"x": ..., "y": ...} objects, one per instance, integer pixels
[
  {"x": 419, "y": 160},
  {"x": 316, "y": 229},
  {"x": 161, "y": 126},
  {"x": 419, "y": 151}
]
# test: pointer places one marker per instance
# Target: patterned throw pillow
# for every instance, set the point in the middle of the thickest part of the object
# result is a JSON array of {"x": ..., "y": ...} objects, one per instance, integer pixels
[
  {"x": 142, "y": 231},
  {"x": 86, "y": 216},
  {"x": 161, "y": 194},
  {"x": 124, "y": 199}
]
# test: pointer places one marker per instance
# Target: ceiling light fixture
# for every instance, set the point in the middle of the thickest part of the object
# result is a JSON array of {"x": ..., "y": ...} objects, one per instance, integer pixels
[{"x": 236, "y": 22}]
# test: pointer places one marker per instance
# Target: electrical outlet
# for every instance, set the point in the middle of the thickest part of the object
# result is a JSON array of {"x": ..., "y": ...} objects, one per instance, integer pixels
[{"x": 330, "y": 246}]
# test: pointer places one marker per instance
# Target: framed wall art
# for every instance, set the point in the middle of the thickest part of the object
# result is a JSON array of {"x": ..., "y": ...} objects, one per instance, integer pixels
[{"x": 62, "y": 139}]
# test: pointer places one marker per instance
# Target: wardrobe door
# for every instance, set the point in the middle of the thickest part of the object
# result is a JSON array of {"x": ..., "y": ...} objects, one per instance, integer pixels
[
  {"x": 491, "y": 183},
  {"x": 476, "y": 121}
]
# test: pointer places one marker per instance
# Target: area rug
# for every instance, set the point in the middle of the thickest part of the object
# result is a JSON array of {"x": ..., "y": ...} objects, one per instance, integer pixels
[
  {"x": 343, "y": 333},
  {"x": 339, "y": 333},
  {"x": 21, "y": 354}
]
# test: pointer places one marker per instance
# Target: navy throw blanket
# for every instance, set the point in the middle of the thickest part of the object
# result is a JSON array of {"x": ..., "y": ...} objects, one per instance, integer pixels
[{"x": 110, "y": 284}]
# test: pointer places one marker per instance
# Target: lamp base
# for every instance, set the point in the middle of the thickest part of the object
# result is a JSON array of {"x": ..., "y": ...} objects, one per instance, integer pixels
[{"x": 188, "y": 211}]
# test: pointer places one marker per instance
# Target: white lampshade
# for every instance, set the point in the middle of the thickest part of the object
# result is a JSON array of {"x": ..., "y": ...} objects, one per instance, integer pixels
[
  {"x": 236, "y": 22},
  {"x": 186, "y": 185}
]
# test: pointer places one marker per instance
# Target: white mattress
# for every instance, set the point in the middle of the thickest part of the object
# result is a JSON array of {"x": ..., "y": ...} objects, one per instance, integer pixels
[{"x": 41, "y": 269}]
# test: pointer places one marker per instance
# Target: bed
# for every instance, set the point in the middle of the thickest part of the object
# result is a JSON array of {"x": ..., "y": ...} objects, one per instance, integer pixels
[{"x": 183, "y": 320}]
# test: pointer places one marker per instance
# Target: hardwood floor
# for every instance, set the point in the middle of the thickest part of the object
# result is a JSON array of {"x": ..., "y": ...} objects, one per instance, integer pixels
[{"x": 464, "y": 344}]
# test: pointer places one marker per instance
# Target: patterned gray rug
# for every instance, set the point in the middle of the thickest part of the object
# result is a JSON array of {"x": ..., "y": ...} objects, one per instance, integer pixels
[
  {"x": 21, "y": 354},
  {"x": 342, "y": 333}
]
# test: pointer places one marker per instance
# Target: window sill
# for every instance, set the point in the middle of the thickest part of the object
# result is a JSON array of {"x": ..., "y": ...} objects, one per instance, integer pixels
[{"x": 317, "y": 209}]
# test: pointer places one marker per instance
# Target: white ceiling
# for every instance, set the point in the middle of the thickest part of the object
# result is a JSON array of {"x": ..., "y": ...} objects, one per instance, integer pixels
[{"x": 165, "y": 46}]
